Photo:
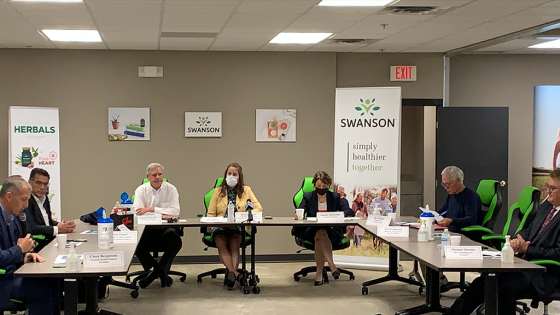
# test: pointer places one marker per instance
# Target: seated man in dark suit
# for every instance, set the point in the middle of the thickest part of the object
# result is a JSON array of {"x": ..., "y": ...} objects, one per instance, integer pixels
[
  {"x": 41, "y": 294},
  {"x": 539, "y": 240},
  {"x": 39, "y": 208}
]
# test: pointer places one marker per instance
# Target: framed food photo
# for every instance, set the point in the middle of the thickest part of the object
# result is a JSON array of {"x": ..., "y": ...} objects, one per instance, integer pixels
[
  {"x": 129, "y": 123},
  {"x": 276, "y": 125}
]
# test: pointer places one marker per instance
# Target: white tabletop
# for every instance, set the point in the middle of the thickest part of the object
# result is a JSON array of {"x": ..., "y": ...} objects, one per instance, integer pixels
[{"x": 50, "y": 252}]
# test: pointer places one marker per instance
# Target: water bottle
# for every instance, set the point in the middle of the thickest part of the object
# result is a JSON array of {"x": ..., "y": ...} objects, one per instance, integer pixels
[
  {"x": 230, "y": 212},
  {"x": 371, "y": 209},
  {"x": 445, "y": 241},
  {"x": 389, "y": 210},
  {"x": 104, "y": 229},
  {"x": 72, "y": 260},
  {"x": 507, "y": 252},
  {"x": 377, "y": 210},
  {"x": 423, "y": 232},
  {"x": 104, "y": 241}
]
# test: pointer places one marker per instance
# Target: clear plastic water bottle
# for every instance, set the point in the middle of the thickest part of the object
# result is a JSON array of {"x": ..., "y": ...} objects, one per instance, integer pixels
[
  {"x": 231, "y": 212},
  {"x": 507, "y": 252},
  {"x": 389, "y": 209},
  {"x": 371, "y": 207},
  {"x": 423, "y": 232},
  {"x": 72, "y": 260},
  {"x": 445, "y": 241}
]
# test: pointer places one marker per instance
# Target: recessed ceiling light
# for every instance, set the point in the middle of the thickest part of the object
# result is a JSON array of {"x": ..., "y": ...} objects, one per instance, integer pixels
[
  {"x": 47, "y": 0},
  {"x": 355, "y": 3},
  {"x": 73, "y": 35},
  {"x": 550, "y": 44},
  {"x": 299, "y": 38}
]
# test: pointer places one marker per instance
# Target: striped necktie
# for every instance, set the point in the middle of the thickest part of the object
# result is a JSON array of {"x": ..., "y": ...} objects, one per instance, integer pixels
[{"x": 548, "y": 219}]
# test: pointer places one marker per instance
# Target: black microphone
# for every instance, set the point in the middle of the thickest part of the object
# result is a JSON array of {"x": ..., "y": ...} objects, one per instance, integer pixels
[
  {"x": 22, "y": 219},
  {"x": 249, "y": 208}
]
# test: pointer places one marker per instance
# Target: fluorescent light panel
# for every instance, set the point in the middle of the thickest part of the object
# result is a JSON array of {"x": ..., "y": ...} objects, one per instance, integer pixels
[
  {"x": 47, "y": 0},
  {"x": 550, "y": 44},
  {"x": 73, "y": 35},
  {"x": 299, "y": 38},
  {"x": 355, "y": 3}
]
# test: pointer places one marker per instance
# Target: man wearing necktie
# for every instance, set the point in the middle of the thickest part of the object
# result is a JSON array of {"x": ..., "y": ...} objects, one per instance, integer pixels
[
  {"x": 40, "y": 294},
  {"x": 539, "y": 240}
]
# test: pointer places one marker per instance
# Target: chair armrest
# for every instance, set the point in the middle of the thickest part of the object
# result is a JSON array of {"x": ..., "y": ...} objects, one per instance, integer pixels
[
  {"x": 2, "y": 271},
  {"x": 39, "y": 237},
  {"x": 493, "y": 237},
  {"x": 477, "y": 228},
  {"x": 546, "y": 262}
]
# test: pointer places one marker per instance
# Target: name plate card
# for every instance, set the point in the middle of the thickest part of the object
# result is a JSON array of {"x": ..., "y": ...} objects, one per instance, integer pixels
[
  {"x": 130, "y": 237},
  {"x": 103, "y": 259},
  {"x": 242, "y": 216},
  {"x": 393, "y": 231},
  {"x": 152, "y": 218},
  {"x": 330, "y": 217},
  {"x": 378, "y": 220},
  {"x": 463, "y": 252}
]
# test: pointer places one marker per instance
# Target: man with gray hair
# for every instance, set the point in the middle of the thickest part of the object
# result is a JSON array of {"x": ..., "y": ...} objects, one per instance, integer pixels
[
  {"x": 462, "y": 207},
  {"x": 41, "y": 294},
  {"x": 157, "y": 196}
]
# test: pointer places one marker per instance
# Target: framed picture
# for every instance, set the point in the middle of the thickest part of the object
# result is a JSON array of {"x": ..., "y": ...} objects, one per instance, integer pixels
[
  {"x": 129, "y": 123},
  {"x": 276, "y": 125}
]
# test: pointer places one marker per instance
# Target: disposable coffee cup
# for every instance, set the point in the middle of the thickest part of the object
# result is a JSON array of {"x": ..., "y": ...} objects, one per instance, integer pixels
[
  {"x": 455, "y": 240},
  {"x": 299, "y": 213},
  {"x": 61, "y": 240},
  {"x": 393, "y": 216}
]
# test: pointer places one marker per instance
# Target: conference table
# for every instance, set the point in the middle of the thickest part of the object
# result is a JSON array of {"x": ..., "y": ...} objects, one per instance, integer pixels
[
  {"x": 89, "y": 275},
  {"x": 426, "y": 252},
  {"x": 430, "y": 254}
]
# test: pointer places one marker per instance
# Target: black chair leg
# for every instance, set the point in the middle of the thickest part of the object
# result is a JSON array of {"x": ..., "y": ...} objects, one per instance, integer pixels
[
  {"x": 304, "y": 271},
  {"x": 180, "y": 274},
  {"x": 133, "y": 287},
  {"x": 214, "y": 273}
]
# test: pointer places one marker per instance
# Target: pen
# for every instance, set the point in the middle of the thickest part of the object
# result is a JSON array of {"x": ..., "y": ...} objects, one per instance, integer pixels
[
  {"x": 443, "y": 213},
  {"x": 59, "y": 266}
]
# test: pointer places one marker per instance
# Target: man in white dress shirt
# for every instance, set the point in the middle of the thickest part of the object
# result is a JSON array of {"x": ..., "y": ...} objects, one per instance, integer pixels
[{"x": 157, "y": 196}]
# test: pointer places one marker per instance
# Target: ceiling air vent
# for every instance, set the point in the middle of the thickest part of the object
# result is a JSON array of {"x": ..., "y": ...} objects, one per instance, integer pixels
[
  {"x": 350, "y": 41},
  {"x": 415, "y": 10}
]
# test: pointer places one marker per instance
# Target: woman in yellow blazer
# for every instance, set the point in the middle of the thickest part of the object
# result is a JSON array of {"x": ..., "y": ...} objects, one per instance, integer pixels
[{"x": 228, "y": 239}]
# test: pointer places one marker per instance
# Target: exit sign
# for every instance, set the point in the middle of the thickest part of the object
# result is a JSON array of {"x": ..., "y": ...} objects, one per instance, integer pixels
[{"x": 403, "y": 73}]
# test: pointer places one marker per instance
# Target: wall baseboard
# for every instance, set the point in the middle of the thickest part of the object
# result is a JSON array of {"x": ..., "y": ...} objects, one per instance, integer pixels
[{"x": 214, "y": 259}]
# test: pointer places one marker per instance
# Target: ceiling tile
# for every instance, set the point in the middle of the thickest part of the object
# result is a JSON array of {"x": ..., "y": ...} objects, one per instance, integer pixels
[
  {"x": 202, "y": 6},
  {"x": 116, "y": 22},
  {"x": 261, "y": 20},
  {"x": 125, "y": 6},
  {"x": 62, "y": 23},
  {"x": 81, "y": 14},
  {"x": 276, "y": 6},
  {"x": 513, "y": 45},
  {"x": 132, "y": 46},
  {"x": 127, "y": 15},
  {"x": 185, "y": 43},
  {"x": 284, "y": 47}
]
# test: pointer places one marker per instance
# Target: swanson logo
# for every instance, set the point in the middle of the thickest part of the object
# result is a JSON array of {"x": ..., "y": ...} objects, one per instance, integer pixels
[
  {"x": 366, "y": 106},
  {"x": 203, "y": 121}
]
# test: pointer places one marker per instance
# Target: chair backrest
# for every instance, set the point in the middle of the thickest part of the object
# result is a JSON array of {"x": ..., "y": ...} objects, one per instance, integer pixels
[
  {"x": 209, "y": 194},
  {"x": 306, "y": 186},
  {"x": 523, "y": 211},
  {"x": 491, "y": 198},
  {"x": 143, "y": 182}
]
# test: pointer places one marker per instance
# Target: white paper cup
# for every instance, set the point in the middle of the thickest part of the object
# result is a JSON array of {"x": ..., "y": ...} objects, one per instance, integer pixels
[
  {"x": 299, "y": 213},
  {"x": 455, "y": 240},
  {"x": 61, "y": 240},
  {"x": 393, "y": 216}
]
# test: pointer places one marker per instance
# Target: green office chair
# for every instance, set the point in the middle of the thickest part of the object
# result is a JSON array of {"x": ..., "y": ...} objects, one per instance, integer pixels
[
  {"x": 491, "y": 198},
  {"x": 307, "y": 186},
  {"x": 209, "y": 241},
  {"x": 13, "y": 306},
  {"x": 520, "y": 213},
  {"x": 139, "y": 275},
  {"x": 555, "y": 296}
]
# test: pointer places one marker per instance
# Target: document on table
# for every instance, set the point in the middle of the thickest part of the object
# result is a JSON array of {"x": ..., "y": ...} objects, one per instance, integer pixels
[
  {"x": 61, "y": 259},
  {"x": 352, "y": 218},
  {"x": 213, "y": 220},
  {"x": 491, "y": 253},
  {"x": 89, "y": 232},
  {"x": 76, "y": 244}
]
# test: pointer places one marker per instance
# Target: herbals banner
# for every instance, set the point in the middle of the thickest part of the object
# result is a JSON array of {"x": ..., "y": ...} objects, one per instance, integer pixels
[
  {"x": 34, "y": 142},
  {"x": 367, "y": 164}
]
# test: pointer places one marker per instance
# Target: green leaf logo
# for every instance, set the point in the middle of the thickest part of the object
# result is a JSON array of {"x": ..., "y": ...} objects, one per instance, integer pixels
[
  {"x": 203, "y": 121},
  {"x": 366, "y": 106}
]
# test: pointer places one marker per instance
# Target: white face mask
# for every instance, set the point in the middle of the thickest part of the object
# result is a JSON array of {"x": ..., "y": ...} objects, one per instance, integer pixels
[{"x": 231, "y": 180}]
